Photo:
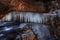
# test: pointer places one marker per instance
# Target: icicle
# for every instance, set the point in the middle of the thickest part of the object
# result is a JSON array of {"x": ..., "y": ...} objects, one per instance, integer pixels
[{"x": 26, "y": 17}]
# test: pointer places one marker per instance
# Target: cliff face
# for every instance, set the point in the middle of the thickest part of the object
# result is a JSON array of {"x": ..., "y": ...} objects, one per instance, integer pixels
[
  {"x": 25, "y": 5},
  {"x": 7, "y": 6},
  {"x": 41, "y": 6}
]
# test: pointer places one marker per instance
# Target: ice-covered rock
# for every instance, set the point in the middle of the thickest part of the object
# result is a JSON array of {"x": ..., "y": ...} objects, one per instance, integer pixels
[{"x": 24, "y": 17}]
